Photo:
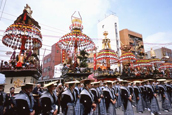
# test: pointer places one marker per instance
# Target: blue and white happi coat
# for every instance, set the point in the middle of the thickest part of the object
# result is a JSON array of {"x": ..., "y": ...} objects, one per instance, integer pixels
[
  {"x": 102, "y": 102},
  {"x": 71, "y": 106},
  {"x": 111, "y": 110},
  {"x": 166, "y": 105},
  {"x": 139, "y": 103},
  {"x": 78, "y": 105},
  {"x": 154, "y": 106},
  {"x": 119, "y": 102},
  {"x": 129, "y": 108},
  {"x": 85, "y": 92}
]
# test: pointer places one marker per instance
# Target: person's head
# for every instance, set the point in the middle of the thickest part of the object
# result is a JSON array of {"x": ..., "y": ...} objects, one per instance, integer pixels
[
  {"x": 38, "y": 85},
  {"x": 28, "y": 88},
  {"x": 12, "y": 90},
  {"x": 109, "y": 84},
  {"x": 150, "y": 82},
  {"x": 50, "y": 87},
  {"x": 125, "y": 83},
  {"x": 137, "y": 84},
  {"x": 78, "y": 84},
  {"x": 71, "y": 86},
  {"x": 87, "y": 84},
  {"x": 1, "y": 88}
]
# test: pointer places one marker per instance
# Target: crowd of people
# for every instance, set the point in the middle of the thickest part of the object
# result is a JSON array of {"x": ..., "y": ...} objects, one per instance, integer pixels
[
  {"x": 87, "y": 97},
  {"x": 25, "y": 59}
]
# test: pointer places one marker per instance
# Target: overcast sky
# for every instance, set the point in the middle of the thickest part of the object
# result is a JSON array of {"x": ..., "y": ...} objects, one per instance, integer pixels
[{"x": 151, "y": 18}]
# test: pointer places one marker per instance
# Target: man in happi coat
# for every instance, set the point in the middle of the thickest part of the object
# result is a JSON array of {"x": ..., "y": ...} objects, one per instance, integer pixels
[
  {"x": 127, "y": 99},
  {"x": 78, "y": 91},
  {"x": 143, "y": 94},
  {"x": 102, "y": 106},
  {"x": 69, "y": 99},
  {"x": 87, "y": 98},
  {"x": 96, "y": 97},
  {"x": 118, "y": 94},
  {"x": 169, "y": 90},
  {"x": 147, "y": 100},
  {"x": 110, "y": 99},
  {"x": 9, "y": 104},
  {"x": 25, "y": 101},
  {"x": 139, "y": 99},
  {"x": 49, "y": 100},
  {"x": 152, "y": 97},
  {"x": 166, "y": 105},
  {"x": 131, "y": 89},
  {"x": 2, "y": 97}
]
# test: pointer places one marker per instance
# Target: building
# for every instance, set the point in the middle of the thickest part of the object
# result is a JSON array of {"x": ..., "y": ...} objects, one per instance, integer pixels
[
  {"x": 161, "y": 52},
  {"x": 132, "y": 39},
  {"x": 50, "y": 60},
  {"x": 111, "y": 25}
]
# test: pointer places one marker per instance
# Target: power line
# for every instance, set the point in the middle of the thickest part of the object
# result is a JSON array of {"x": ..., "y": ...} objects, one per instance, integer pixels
[
  {"x": 3, "y": 9},
  {"x": 40, "y": 23}
]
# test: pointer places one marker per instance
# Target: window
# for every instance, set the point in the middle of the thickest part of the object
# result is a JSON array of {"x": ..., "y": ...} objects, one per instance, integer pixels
[
  {"x": 57, "y": 51},
  {"x": 49, "y": 59},
  {"x": 103, "y": 26},
  {"x": 24, "y": 80},
  {"x": 45, "y": 69},
  {"x": 45, "y": 61},
  {"x": 11, "y": 80}
]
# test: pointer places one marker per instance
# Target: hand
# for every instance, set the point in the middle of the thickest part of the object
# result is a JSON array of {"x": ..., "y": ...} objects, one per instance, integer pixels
[
  {"x": 94, "y": 105},
  {"x": 4, "y": 111},
  {"x": 55, "y": 112},
  {"x": 33, "y": 112},
  {"x": 130, "y": 98},
  {"x": 99, "y": 100},
  {"x": 164, "y": 96},
  {"x": 101, "y": 96},
  {"x": 117, "y": 94},
  {"x": 114, "y": 101},
  {"x": 137, "y": 98},
  {"x": 155, "y": 95}
]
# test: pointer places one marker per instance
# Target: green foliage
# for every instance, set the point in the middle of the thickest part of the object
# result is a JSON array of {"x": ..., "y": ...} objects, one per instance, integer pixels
[{"x": 83, "y": 58}]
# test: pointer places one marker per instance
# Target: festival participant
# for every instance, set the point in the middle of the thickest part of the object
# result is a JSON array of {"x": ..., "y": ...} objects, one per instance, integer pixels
[
  {"x": 78, "y": 91},
  {"x": 2, "y": 97},
  {"x": 139, "y": 99},
  {"x": 49, "y": 100},
  {"x": 110, "y": 99},
  {"x": 87, "y": 98},
  {"x": 59, "y": 90},
  {"x": 131, "y": 89},
  {"x": 114, "y": 91},
  {"x": 96, "y": 97},
  {"x": 169, "y": 90},
  {"x": 118, "y": 94},
  {"x": 37, "y": 106},
  {"x": 102, "y": 106},
  {"x": 25, "y": 100},
  {"x": 147, "y": 100},
  {"x": 69, "y": 99},
  {"x": 9, "y": 105},
  {"x": 37, "y": 90},
  {"x": 166, "y": 105},
  {"x": 143, "y": 93},
  {"x": 127, "y": 99},
  {"x": 152, "y": 97}
]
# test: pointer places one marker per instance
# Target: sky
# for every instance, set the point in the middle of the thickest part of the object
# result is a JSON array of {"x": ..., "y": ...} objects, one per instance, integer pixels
[{"x": 151, "y": 18}]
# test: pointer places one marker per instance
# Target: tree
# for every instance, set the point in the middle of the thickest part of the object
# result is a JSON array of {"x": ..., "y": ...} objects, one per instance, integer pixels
[{"x": 83, "y": 58}]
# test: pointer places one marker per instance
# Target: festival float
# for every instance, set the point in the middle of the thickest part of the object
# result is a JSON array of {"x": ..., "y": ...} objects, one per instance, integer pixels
[
  {"x": 72, "y": 43},
  {"x": 105, "y": 58},
  {"x": 24, "y": 36}
]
